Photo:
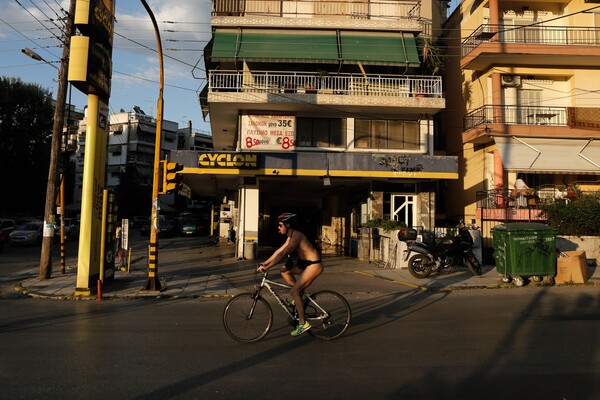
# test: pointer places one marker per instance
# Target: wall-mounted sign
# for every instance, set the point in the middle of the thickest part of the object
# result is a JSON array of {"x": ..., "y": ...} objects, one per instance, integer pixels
[
  {"x": 96, "y": 18},
  {"x": 90, "y": 66},
  {"x": 227, "y": 160},
  {"x": 268, "y": 132}
]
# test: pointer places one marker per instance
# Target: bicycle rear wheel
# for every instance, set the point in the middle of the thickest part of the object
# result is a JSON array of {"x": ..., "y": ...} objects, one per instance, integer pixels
[
  {"x": 247, "y": 319},
  {"x": 331, "y": 323}
]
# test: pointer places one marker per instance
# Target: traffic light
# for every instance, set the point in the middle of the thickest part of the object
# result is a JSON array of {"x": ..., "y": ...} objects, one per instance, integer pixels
[{"x": 171, "y": 178}]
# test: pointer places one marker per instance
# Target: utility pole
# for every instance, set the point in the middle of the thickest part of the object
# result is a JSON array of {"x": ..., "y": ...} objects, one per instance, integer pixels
[
  {"x": 153, "y": 283},
  {"x": 57, "y": 131}
]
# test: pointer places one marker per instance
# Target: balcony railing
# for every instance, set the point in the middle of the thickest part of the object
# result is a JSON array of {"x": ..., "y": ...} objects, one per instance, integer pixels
[
  {"x": 533, "y": 34},
  {"x": 338, "y": 84},
  {"x": 358, "y": 9},
  {"x": 516, "y": 115}
]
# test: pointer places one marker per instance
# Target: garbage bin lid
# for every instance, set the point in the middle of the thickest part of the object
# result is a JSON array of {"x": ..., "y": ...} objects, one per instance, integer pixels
[{"x": 522, "y": 226}]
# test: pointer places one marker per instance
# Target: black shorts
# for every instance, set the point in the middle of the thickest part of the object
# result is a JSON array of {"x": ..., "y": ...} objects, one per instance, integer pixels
[{"x": 302, "y": 264}]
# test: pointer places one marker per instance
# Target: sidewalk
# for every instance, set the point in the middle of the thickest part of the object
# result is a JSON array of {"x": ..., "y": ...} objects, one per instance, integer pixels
[{"x": 215, "y": 272}]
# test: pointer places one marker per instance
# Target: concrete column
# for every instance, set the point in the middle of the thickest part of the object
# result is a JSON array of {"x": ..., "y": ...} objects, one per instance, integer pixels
[{"x": 248, "y": 221}]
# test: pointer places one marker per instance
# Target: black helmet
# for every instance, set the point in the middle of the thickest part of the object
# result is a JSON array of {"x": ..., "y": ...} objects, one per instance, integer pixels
[{"x": 286, "y": 217}]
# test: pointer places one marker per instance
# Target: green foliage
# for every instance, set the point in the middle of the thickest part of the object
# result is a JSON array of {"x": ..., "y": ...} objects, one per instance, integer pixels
[
  {"x": 431, "y": 55},
  {"x": 26, "y": 118},
  {"x": 385, "y": 224},
  {"x": 578, "y": 217}
]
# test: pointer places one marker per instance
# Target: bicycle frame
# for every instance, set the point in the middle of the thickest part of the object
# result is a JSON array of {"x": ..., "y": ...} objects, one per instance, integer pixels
[{"x": 267, "y": 283}]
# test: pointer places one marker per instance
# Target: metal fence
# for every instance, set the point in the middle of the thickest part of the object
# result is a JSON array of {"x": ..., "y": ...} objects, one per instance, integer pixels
[
  {"x": 342, "y": 84},
  {"x": 533, "y": 34}
]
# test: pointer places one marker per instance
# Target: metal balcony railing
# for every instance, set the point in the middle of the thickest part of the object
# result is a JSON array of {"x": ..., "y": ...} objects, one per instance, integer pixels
[
  {"x": 515, "y": 115},
  {"x": 533, "y": 34},
  {"x": 534, "y": 198},
  {"x": 357, "y": 9},
  {"x": 338, "y": 84}
]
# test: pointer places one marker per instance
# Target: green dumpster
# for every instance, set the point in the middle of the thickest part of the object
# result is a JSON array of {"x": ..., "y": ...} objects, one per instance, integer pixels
[{"x": 525, "y": 250}]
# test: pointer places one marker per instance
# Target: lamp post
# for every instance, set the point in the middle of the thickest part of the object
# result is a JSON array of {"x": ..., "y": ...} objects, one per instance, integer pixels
[
  {"x": 51, "y": 188},
  {"x": 153, "y": 283},
  {"x": 33, "y": 55}
]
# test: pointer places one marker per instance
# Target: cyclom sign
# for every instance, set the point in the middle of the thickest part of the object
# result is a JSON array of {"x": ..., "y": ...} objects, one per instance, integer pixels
[{"x": 268, "y": 132}]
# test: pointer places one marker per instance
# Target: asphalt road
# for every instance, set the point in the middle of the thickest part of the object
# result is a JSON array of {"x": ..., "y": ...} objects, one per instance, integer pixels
[{"x": 531, "y": 343}]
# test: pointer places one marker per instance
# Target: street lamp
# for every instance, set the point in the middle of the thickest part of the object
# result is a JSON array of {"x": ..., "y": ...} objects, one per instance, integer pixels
[
  {"x": 153, "y": 283},
  {"x": 51, "y": 191},
  {"x": 32, "y": 54}
]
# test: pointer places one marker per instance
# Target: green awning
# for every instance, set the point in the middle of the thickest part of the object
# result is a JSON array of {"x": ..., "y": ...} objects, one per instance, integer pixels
[
  {"x": 275, "y": 46},
  {"x": 379, "y": 48},
  {"x": 203, "y": 100}
]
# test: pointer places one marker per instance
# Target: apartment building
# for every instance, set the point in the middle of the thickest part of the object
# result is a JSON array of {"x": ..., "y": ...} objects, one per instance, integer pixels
[
  {"x": 130, "y": 151},
  {"x": 527, "y": 101},
  {"x": 322, "y": 108}
]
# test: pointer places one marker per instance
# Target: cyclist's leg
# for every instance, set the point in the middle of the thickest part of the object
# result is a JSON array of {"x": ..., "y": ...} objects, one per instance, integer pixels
[
  {"x": 305, "y": 279},
  {"x": 287, "y": 273}
]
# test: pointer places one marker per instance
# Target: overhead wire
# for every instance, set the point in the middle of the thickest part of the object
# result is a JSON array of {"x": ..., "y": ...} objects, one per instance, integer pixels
[{"x": 178, "y": 31}]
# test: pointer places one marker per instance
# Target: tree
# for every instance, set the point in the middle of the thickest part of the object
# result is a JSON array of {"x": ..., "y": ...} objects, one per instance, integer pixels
[{"x": 26, "y": 118}]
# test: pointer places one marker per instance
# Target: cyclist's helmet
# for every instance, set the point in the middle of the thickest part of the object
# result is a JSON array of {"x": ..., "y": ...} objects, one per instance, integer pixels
[{"x": 286, "y": 217}]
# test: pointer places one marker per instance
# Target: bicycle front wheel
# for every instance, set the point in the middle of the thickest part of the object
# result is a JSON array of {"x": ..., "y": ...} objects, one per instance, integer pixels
[
  {"x": 247, "y": 319},
  {"x": 329, "y": 315}
]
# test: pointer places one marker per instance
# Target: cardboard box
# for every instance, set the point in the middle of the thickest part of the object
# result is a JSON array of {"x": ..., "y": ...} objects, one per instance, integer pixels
[{"x": 572, "y": 268}]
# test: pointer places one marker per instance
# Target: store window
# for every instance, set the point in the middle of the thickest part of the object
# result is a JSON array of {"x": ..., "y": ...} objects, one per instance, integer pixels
[
  {"x": 320, "y": 132},
  {"x": 386, "y": 134}
]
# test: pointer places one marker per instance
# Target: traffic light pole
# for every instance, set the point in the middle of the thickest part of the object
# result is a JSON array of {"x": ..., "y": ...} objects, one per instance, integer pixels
[
  {"x": 57, "y": 130},
  {"x": 153, "y": 283}
]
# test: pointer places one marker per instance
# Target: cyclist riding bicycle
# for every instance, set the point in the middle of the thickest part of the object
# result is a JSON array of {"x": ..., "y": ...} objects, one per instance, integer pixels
[{"x": 308, "y": 265}]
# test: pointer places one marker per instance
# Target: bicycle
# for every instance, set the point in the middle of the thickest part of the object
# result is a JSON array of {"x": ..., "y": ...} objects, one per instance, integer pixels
[{"x": 248, "y": 317}]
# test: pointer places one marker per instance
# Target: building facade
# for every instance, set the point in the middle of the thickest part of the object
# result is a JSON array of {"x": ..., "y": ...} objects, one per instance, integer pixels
[
  {"x": 527, "y": 102},
  {"x": 323, "y": 109},
  {"x": 131, "y": 148}
]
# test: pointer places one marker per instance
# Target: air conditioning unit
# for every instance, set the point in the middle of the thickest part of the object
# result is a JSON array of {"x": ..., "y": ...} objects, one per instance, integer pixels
[{"x": 511, "y": 80}]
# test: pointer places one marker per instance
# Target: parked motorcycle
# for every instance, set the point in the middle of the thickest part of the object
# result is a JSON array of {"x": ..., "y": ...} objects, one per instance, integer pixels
[{"x": 441, "y": 254}]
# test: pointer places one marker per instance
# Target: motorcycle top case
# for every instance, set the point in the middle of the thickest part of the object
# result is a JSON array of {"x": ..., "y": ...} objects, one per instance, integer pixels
[{"x": 407, "y": 234}]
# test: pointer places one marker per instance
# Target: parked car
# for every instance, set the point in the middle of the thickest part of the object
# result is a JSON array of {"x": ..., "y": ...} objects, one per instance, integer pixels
[
  {"x": 167, "y": 227},
  {"x": 191, "y": 227},
  {"x": 29, "y": 233},
  {"x": 7, "y": 226},
  {"x": 71, "y": 227}
]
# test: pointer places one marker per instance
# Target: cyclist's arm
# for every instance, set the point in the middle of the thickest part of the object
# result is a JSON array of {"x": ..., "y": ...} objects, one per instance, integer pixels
[{"x": 290, "y": 245}]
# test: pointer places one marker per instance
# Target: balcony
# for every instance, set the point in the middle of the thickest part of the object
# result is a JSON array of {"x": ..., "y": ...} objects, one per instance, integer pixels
[
  {"x": 486, "y": 122},
  {"x": 329, "y": 84},
  {"x": 538, "y": 45},
  {"x": 510, "y": 205}
]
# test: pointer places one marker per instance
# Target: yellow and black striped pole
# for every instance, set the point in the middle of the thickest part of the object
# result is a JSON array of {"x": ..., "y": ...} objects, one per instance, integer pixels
[
  {"x": 153, "y": 283},
  {"x": 63, "y": 255}
]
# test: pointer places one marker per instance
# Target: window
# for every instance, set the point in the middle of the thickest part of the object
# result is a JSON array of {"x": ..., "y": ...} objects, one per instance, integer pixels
[
  {"x": 320, "y": 132},
  {"x": 529, "y": 102},
  {"x": 403, "y": 208},
  {"x": 386, "y": 134}
]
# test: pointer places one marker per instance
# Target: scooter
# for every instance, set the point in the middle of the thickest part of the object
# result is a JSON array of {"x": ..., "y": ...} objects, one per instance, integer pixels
[{"x": 441, "y": 255}]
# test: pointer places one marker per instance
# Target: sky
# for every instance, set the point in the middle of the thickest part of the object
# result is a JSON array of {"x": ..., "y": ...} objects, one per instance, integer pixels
[{"x": 184, "y": 27}]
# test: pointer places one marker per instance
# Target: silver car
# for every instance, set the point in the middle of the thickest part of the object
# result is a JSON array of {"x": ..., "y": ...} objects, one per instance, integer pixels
[{"x": 28, "y": 233}]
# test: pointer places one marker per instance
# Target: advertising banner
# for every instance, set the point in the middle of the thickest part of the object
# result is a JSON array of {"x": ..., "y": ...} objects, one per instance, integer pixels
[{"x": 268, "y": 132}]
